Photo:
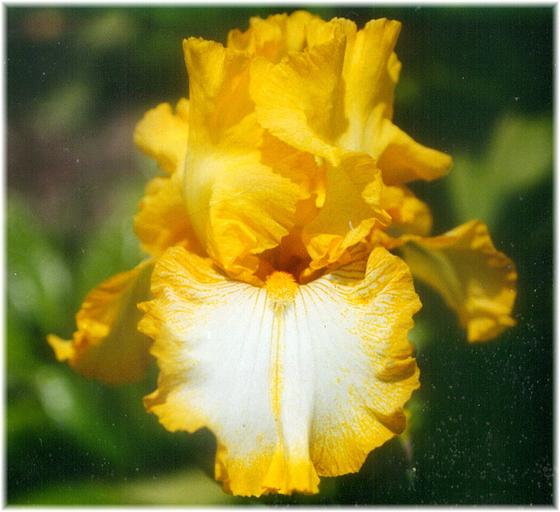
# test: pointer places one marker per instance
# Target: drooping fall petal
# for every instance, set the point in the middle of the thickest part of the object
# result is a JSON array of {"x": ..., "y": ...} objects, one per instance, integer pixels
[
  {"x": 107, "y": 345},
  {"x": 295, "y": 381},
  {"x": 475, "y": 279}
]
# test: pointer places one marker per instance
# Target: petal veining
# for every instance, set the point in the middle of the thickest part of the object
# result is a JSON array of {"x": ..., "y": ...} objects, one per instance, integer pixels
[{"x": 295, "y": 381}]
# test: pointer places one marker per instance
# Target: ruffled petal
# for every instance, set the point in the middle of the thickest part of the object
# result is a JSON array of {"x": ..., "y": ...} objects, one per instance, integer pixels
[
  {"x": 163, "y": 135},
  {"x": 162, "y": 220},
  {"x": 409, "y": 214},
  {"x": 107, "y": 345},
  {"x": 273, "y": 37},
  {"x": 371, "y": 72},
  {"x": 295, "y": 381},
  {"x": 239, "y": 207},
  {"x": 251, "y": 210},
  {"x": 299, "y": 100},
  {"x": 474, "y": 278},
  {"x": 351, "y": 210}
]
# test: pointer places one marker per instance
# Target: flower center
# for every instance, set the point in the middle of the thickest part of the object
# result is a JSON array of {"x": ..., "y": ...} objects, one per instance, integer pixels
[{"x": 281, "y": 287}]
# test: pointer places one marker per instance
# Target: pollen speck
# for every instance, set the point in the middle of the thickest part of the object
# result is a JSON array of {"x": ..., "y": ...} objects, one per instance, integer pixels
[{"x": 281, "y": 287}]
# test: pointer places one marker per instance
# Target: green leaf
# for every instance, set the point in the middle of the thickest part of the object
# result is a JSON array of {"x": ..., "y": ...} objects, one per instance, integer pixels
[
  {"x": 518, "y": 157},
  {"x": 38, "y": 279},
  {"x": 190, "y": 487}
]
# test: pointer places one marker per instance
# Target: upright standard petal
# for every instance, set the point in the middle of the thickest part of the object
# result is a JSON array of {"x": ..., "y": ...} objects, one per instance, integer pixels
[
  {"x": 239, "y": 207},
  {"x": 371, "y": 72},
  {"x": 107, "y": 345},
  {"x": 299, "y": 100},
  {"x": 474, "y": 278},
  {"x": 163, "y": 135},
  {"x": 295, "y": 381},
  {"x": 273, "y": 37}
]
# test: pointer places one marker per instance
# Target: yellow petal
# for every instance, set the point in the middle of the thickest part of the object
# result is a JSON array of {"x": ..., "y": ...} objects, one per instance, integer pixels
[
  {"x": 239, "y": 207},
  {"x": 162, "y": 220},
  {"x": 299, "y": 100},
  {"x": 295, "y": 381},
  {"x": 352, "y": 209},
  {"x": 218, "y": 89},
  {"x": 371, "y": 71},
  {"x": 163, "y": 135},
  {"x": 402, "y": 159},
  {"x": 107, "y": 345},
  {"x": 251, "y": 210},
  {"x": 475, "y": 279},
  {"x": 273, "y": 37},
  {"x": 300, "y": 167},
  {"x": 409, "y": 215}
]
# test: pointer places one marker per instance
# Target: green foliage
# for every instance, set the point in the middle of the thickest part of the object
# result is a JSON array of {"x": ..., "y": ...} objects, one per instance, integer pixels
[{"x": 517, "y": 159}]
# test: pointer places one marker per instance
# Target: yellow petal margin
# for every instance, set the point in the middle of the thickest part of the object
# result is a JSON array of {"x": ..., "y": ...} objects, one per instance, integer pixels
[
  {"x": 107, "y": 345},
  {"x": 163, "y": 134},
  {"x": 296, "y": 381},
  {"x": 474, "y": 278}
]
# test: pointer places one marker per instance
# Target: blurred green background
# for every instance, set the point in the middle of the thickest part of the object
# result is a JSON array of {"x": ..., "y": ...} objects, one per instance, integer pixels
[{"x": 476, "y": 82}]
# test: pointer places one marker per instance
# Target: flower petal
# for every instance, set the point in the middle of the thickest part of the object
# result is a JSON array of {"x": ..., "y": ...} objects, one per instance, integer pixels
[
  {"x": 409, "y": 215},
  {"x": 352, "y": 209},
  {"x": 162, "y": 220},
  {"x": 371, "y": 72},
  {"x": 251, "y": 209},
  {"x": 163, "y": 135},
  {"x": 299, "y": 100},
  {"x": 273, "y": 37},
  {"x": 239, "y": 207},
  {"x": 107, "y": 345},
  {"x": 295, "y": 381},
  {"x": 474, "y": 278},
  {"x": 402, "y": 159}
]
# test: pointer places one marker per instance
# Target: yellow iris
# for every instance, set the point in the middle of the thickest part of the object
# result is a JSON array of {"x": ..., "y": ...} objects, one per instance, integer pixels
[{"x": 279, "y": 316}]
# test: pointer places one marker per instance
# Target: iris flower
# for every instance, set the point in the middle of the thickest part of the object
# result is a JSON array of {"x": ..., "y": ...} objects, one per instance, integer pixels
[{"x": 271, "y": 298}]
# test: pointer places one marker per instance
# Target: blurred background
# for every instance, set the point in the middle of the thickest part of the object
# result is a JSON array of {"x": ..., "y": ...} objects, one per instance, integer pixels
[{"x": 476, "y": 82}]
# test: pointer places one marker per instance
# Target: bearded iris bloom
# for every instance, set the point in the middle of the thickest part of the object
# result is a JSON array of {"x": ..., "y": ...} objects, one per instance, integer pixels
[{"x": 282, "y": 241}]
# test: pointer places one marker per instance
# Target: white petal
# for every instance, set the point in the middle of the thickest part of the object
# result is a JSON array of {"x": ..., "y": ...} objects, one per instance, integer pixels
[{"x": 295, "y": 381}]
